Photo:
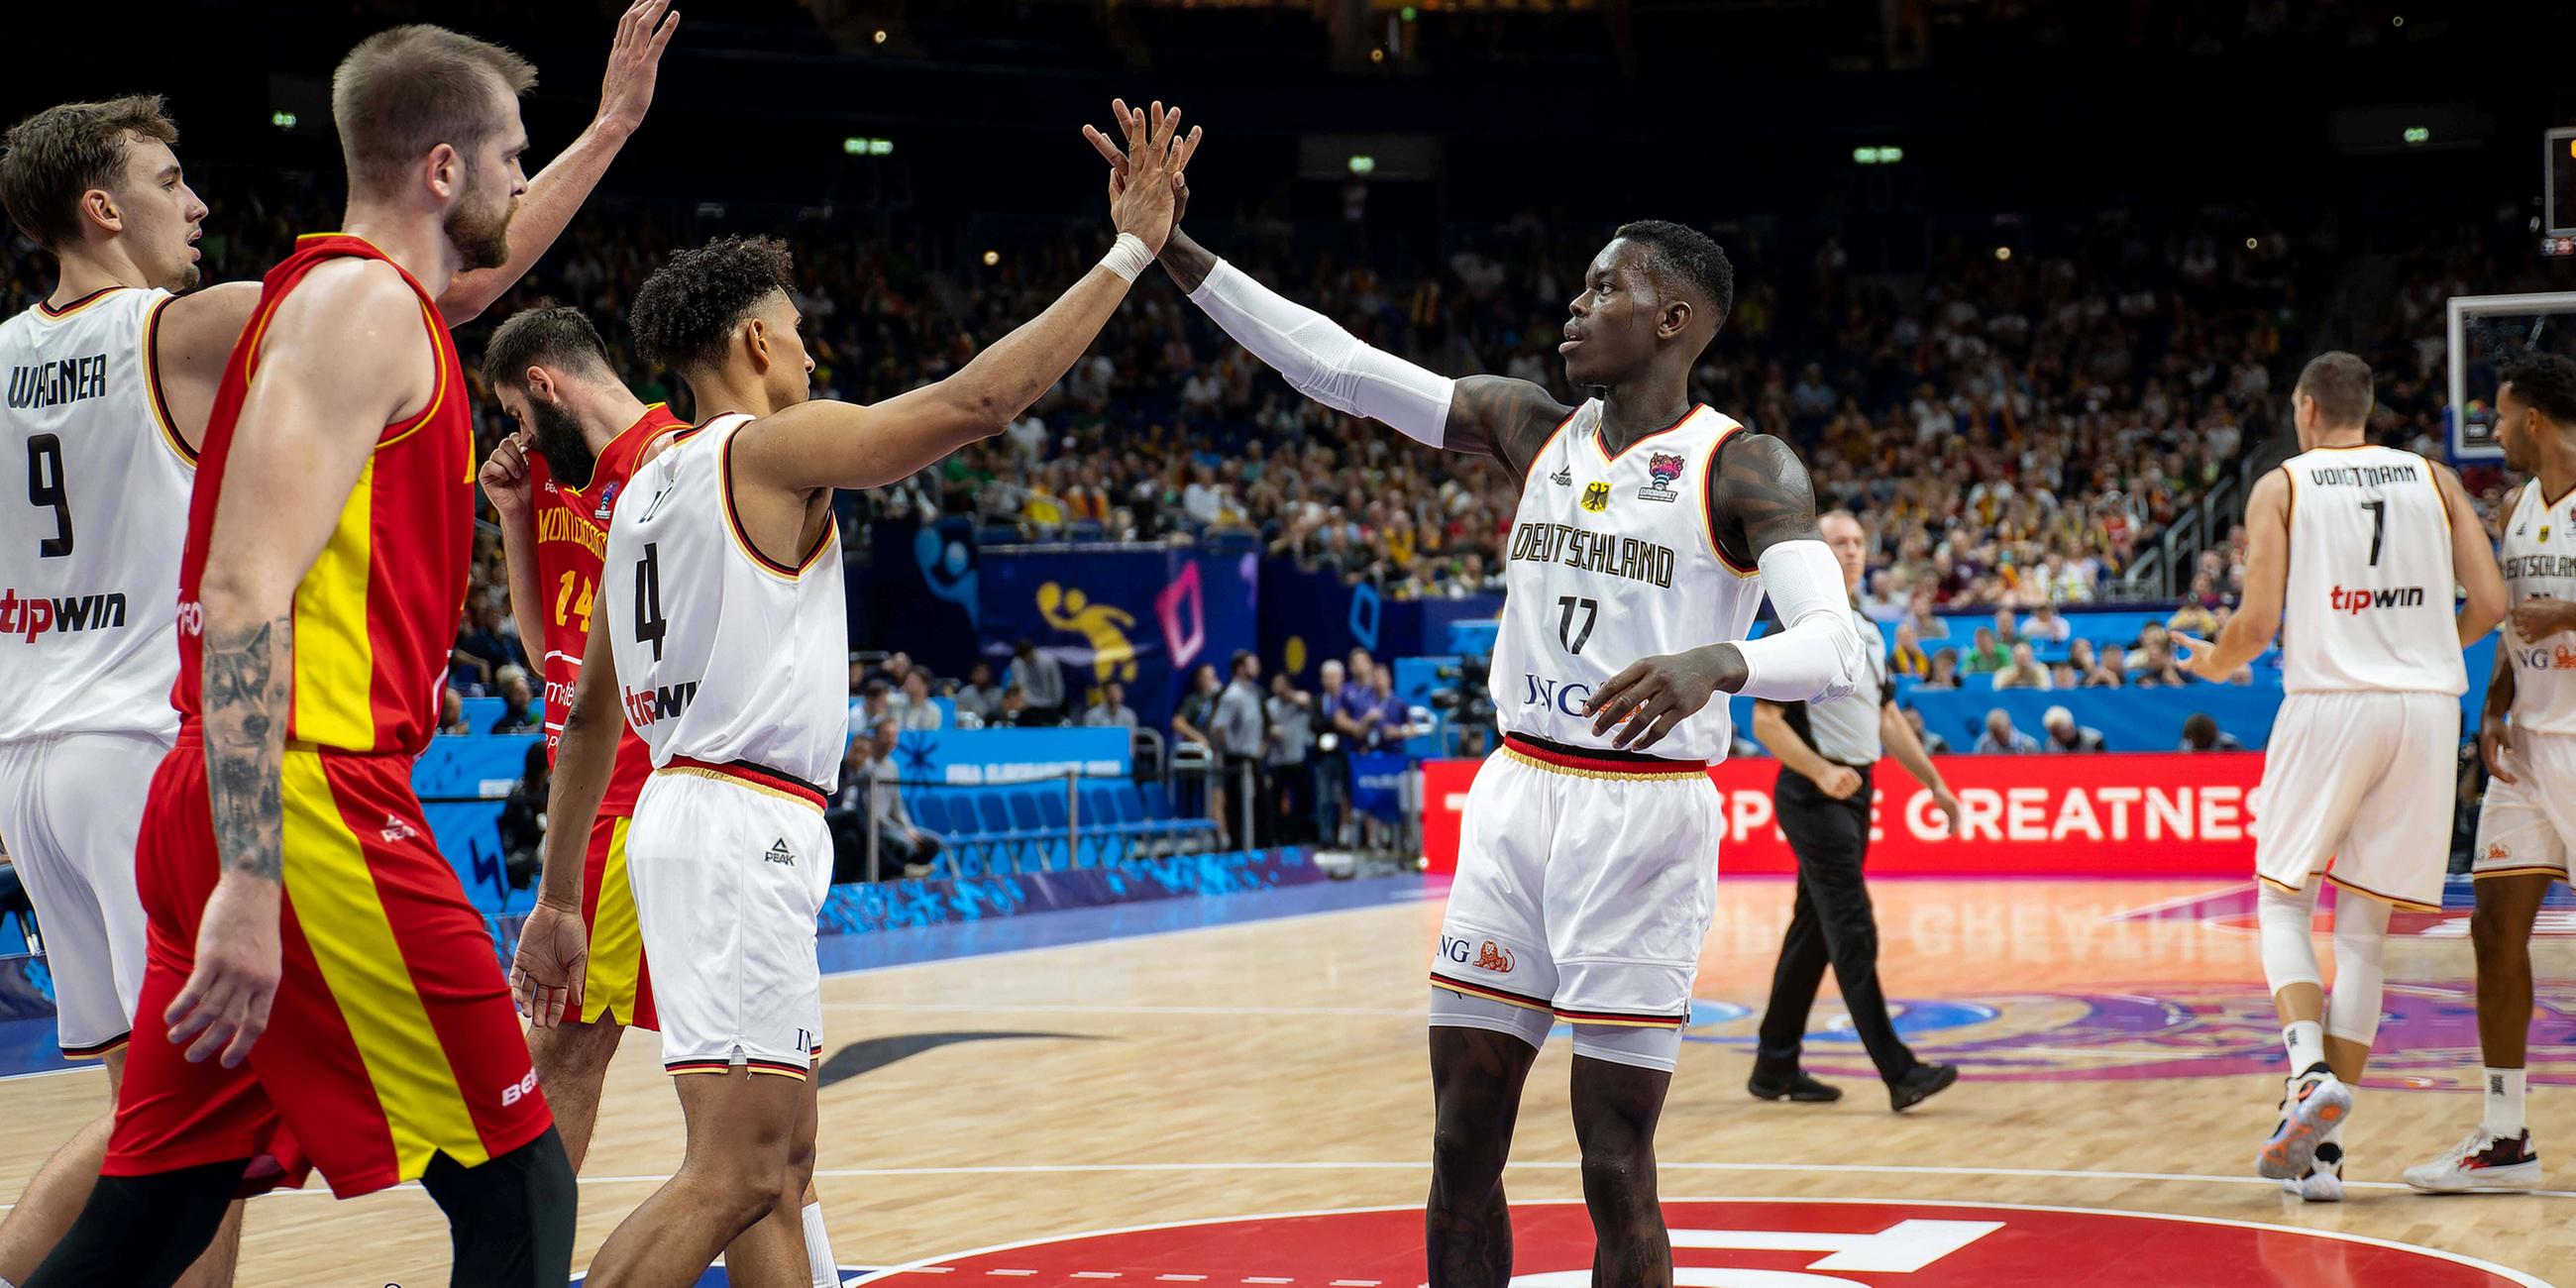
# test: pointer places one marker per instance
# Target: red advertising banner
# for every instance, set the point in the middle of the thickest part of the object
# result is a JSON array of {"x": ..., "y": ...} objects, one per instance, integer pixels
[{"x": 2126, "y": 815}]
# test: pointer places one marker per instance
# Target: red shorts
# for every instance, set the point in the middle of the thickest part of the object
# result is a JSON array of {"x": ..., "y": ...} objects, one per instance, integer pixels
[
  {"x": 392, "y": 1038},
  {"x": 619, "y": 987}
]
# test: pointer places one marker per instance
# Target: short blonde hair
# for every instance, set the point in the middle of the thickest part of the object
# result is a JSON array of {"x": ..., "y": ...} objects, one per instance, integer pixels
[{"x": 408, "y": 89}]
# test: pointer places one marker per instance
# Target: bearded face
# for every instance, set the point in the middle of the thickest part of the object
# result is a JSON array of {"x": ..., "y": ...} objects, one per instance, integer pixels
[
  {"x": 479, "y": 226},
  {"x": 558, "y": 438}
]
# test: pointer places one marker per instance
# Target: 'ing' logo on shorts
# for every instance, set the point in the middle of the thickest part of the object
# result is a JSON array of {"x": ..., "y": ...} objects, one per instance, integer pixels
[{"x": 1494, "y": 957}]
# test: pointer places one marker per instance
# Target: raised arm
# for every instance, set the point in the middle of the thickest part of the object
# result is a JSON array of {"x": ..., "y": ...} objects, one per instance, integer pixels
[
  {"x": 507, "y": 484},
  {"x": 1508, "y": 420},
  {"x": 342, "y": 357},
  {"x": 2267, "y": 582},
  {"x": 1767, "y": 506},
  {"x": 559, "y": 190},
  {"x": 546, "y": 970},
  {"x": 2473, "y": 560},
  {"x": 825, "y": 444}
]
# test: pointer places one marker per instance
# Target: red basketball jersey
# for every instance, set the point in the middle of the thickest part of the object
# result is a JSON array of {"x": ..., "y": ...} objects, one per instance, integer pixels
[
  {"x": 572, "y": 538},
  {"x": 375, "y": 617}
]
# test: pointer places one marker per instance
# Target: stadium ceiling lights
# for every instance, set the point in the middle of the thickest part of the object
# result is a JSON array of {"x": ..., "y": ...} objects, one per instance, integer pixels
[
  {"x": 860, "y": 147},
  {"x": 1877, "y": 156}
]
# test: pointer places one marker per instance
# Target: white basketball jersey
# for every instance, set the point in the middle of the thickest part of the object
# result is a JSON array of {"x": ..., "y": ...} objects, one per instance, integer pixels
[
  {"x": 2540, "y": 562},
  {"x": 2370, "y": 604},
  {"x": 1612, "y": 560},
  {"x": 90, "y": 536},
  {"x": 722, "y": 655}
]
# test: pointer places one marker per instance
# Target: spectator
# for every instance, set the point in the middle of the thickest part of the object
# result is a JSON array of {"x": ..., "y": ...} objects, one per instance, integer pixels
[
  {"x": 2025, "y": 671},
  {"x": 1014, "y": 712},
  {"x": 1191, "y": 722},
  {"x": 2066, "y": 735},
  {"x": 980, "y": 697},
  {"x": 523, "y": 819},
  {"x": 1335, "y": 734},
  {"x": 1291, "y": 807},
  {"x": 2000, "y": 738},
  {"x": 1933, "y": 743},
  {"x": 2155, "y": 666},
  {"x": 912, "y": 705},
  {"x": 875, "y": 705},
  {"x": 1238, "y": 739},
  {"x": 519, "y": 712},
  {"x": 1907, "y": 658},
  {"x": 1921, "y": 615},
  {"x": 1987, "y": 655},
  {"x": 1945, "y": 670},
  {"x": 451, "y": 713},
  {"x": 1109, "y": 710},
  {"x": 2195, "y": 618},
  {"x": 872, "y": 796},
  {"x": 1386, "y": 720},
  {"x": 2110, "y": 670},
  {"x": 481, "y": 647},
  {"x": 2079, "y": 664},
  {"x": 2006, "y": 629},
  {"x": 2047, "y": 626},
  {"x": 1041, "y": 682},
  {"x": 2200, "y": 732}
]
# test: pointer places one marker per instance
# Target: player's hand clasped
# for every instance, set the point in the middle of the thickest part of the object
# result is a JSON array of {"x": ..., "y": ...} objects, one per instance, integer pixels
[
  {"x": 2537, "y": 619},
  {"x": 546, "y": 972},
  {"x": 1158, "y": 155},
  {"x": 1656, "y": 693},
  {"x": 505, "y": 480}
]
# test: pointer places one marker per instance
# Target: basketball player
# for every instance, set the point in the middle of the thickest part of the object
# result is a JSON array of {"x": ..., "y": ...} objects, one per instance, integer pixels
[
  {"x": 2353, "y": 550},
  {"x": 552, "y": 486},
  {"x": 726, "y": 648},
  {"x": 99, "y": 186},
  {"x": 2528, "y": 738},
  {"x": 316, "y": 607},
  {"x": 1649, "y": 530}
]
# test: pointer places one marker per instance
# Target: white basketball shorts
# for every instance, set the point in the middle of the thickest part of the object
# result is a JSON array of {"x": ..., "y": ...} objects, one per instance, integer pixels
[
  {"x": 2527, "y": 825},
  {"x": 729, "y": 868},
  {"x": 1585, "y": 886},
  {"x": 2360, "y": 786},
  {"x": 71, "y": 806}
]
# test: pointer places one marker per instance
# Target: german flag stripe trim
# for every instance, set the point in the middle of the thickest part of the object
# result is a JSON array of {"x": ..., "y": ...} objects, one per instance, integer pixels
[
  {"x": 2392, "y": 901},
  {"x": 99, "y": 1050},
  {"x": 699, "y": 1066},
  {"x": 755, "y": 776},
  {"x": 1623, "y": 1020},
  {"x": 1490, "y": 993},
  {"x": 2538, "y": 870},
  {"x": 779, "y": 1069},
  {"x": 1647, "y": 767}
]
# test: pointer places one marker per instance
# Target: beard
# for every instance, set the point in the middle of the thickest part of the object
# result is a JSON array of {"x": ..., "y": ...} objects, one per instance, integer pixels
[
  {"x": 558, "y": 438},
  {"x": 481, "y": 235},
  {"x": 184, "y": 280}
]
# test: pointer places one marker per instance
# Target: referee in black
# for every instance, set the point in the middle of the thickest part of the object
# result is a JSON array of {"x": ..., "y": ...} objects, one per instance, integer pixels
[{"x": 1826, "y": 752}]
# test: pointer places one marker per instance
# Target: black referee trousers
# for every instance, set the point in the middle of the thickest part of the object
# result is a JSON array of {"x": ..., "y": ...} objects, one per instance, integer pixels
[{"x": 1833, "y": 925}]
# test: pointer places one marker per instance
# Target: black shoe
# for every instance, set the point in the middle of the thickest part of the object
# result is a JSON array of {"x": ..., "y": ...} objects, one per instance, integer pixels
[
  {"x": 1926, "y": 1081},
  {"x": 1795, "y": 1086}
]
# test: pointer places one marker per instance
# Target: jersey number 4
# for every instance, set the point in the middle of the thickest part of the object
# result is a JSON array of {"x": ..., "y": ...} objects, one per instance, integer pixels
[
  {"x": 1566, "y": 634},
  {"x": 649, "y": 621},
  {"x": 45, "y": 490}
]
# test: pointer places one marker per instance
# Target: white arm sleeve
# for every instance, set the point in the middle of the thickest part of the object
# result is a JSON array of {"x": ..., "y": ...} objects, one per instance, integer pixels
[
  {"x": 1816, "y": 654},
  {"x": 1323, "y": 361}
]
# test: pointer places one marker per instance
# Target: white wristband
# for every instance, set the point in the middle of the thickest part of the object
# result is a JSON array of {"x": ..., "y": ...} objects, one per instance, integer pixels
[{"x": 1128, "y": 257}]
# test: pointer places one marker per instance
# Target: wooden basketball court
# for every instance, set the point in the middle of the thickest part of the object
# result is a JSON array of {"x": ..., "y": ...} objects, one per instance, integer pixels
[{"x": 2117, "y": 1049}]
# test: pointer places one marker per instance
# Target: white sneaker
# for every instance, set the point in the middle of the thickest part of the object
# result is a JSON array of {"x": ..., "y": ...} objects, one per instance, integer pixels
[
  {"x": 2324, "y": 1181},
  {"x": 2481, "y": 1164},
  {"x": 2314, "y": 1103}
]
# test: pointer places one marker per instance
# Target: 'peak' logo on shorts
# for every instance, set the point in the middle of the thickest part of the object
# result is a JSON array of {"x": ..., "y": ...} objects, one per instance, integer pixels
[
  {"x": 779, "y": 853},
  {"x": 1494, "y": 957},
  {"x": 2362, "y": 601}
]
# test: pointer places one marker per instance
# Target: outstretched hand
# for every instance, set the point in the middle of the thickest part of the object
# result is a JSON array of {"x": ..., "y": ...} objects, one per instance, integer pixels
[
  {"x": 635, "y": 62},
  {"x": 1154, "y": 136}
]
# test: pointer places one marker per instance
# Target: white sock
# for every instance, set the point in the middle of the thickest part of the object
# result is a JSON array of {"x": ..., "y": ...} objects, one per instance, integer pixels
[
  {"x": 818, "y": 1249},
  {"x": 2306, "y": 1040},
  {"x": 2504, "y": 1103}
]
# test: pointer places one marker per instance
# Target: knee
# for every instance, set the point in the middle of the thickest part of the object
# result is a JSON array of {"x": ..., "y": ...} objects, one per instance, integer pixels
[
  {"x": 1618, "y": 1168},
  {"x": 1461, "y": 1152},
  {"x": 2497, "y": 949}
]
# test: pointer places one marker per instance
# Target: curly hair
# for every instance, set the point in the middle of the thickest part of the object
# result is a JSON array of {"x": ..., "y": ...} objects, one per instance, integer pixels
[
  {"x": 1686, "y": 257},
  {"x": 688, "y": 308},
  {"x": 2546, "y": 381}
]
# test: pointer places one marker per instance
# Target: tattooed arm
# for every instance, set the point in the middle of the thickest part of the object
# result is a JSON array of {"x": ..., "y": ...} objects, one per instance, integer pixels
[
  {"x": 343, "y": 356},
  {"x": 1764, "y": 509}
]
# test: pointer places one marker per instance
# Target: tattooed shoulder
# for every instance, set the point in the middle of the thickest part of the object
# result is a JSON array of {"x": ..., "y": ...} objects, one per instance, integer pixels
[
  {"x": 1506, "y": 419},
  {"x": 1761, "y": 496}
]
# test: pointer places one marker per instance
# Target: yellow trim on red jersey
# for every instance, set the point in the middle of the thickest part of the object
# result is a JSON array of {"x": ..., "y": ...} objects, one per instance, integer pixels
[
  {"x": 616, "y": 939},
  {"x": 334, "y": 652}
]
